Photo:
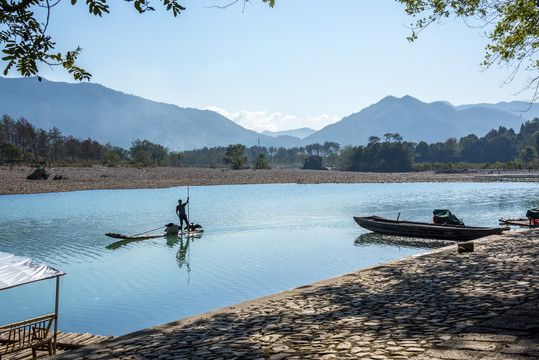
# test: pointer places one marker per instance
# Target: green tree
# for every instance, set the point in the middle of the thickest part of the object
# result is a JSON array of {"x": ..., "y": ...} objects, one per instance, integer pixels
[
  {"x": 528, "y": 154},
  {"x": 500, "y": 149},
  {"x": 73, "y": 148},
  {"x": 313, "y": 162},
  {"x": 42, "y": 144},
  {"x": 345, "y": 159},
  {"x": 514, "y": 38},
  {"x": 110, "y": 157},
  {"x": 421, "y": 152},
  {"x": 8, "y": 129},
  {"x": 141, "y": 156},
  {"x": 175, "y": 158},
  {"x": 10, "y": 152},
  {"x": 25, "y": 42},
  {"x": 380, "y": 157},
  {"x": 87, "y": 149},
  {"x": 57, "y": 141},
  {"x": 148, "y": 153},
  {"x": 121, "y": 152},
  {"x": 450, "y": 149},
  {"x": 373, "y": 140},
  {"x": 235, "y": 156},
  {"x": 261, "y": 162}
]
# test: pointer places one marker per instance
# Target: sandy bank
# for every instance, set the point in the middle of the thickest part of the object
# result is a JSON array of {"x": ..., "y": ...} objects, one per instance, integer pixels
[{"x": 13, "y": 180}]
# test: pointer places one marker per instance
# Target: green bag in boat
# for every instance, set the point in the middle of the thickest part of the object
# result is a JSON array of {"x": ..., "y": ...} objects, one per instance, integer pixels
[
  {"x": 443, "y": 216},
  {"x": 533, "y": 213}
]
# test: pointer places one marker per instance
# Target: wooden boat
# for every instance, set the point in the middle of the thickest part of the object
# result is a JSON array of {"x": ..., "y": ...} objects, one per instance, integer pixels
[
  {"x": 425, "y": 230},
  {"x": 524, "y": 222}
]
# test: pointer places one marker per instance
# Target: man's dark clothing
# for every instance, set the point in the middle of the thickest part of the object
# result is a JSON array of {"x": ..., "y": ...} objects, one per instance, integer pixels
[{"x": 180, "y": 210}]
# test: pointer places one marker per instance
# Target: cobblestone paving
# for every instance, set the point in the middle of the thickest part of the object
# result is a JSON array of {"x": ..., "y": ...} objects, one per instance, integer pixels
[{"x": 439, "y": 305}]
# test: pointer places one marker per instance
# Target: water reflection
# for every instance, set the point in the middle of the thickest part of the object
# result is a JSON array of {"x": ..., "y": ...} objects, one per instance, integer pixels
[
  {"x": 183, "y": 242},
  {"x": 183, "y": 254},
  {"x": 120, "y": 243},
  {"x": 372, "y": 238}
]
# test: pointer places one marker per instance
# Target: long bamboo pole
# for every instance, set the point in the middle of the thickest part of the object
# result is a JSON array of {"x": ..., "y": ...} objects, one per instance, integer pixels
[
  {"x": 148, "y": 231},
  {"x": 188, "y": 228}
]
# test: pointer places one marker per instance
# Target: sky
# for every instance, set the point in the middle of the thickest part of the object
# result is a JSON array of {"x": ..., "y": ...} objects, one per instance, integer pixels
[{"x": 303, "y": 63}]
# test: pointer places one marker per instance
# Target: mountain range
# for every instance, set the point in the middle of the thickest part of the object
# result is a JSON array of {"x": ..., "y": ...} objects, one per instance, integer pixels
[
  {"x": 299, "y": 133},
  {"x": 87, "y": 110},
  {"x": 418, "y": 121}
]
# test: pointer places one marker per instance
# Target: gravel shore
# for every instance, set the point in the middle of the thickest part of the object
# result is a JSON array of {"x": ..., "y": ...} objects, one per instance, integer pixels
[{"x": 13, "y": 179}]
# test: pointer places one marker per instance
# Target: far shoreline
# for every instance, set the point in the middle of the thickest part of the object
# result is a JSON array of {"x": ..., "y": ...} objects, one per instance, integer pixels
[{"x": 98, "y": 177}]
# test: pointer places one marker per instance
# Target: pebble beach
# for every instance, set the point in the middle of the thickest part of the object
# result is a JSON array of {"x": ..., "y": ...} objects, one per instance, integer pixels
[{"x": 13, "y": 179}]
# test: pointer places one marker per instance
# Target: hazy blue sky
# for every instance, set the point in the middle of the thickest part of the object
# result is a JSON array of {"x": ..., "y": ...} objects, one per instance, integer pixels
[{"x": 302, "y": 63}]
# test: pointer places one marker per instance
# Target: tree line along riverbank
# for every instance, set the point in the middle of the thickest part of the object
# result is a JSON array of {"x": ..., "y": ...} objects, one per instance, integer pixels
[{"x": 23, "y": 143}]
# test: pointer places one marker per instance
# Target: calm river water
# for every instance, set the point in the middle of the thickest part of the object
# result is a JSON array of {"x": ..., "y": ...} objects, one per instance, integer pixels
[{"x": 258, "y": 240}]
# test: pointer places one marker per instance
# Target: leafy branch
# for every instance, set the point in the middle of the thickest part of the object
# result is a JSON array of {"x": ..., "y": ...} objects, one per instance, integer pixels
[
  {"x": 514, "y": 34},
  {"x": 25, "y": 43}
]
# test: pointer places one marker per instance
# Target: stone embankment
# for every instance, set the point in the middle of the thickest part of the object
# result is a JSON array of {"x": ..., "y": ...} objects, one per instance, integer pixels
[{"x": 439, "y": 305}]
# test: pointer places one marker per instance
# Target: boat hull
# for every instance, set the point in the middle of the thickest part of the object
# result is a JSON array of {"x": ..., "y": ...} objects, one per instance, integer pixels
[{"x": 425, "y": 230}]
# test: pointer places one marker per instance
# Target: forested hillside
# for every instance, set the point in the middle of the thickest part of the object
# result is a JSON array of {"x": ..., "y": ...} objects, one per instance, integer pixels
[{"x": 91, "y": 110}]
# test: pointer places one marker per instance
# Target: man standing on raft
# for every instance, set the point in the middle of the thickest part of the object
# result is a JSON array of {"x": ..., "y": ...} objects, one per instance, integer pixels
[{"x": 180, "y": 211}]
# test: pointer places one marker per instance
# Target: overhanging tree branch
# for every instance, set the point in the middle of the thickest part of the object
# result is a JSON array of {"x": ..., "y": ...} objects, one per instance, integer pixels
[
  {"x": 514, "y": 30},
  {"x": 5, "y": 7},
  {"x": 25, "y": 44}
]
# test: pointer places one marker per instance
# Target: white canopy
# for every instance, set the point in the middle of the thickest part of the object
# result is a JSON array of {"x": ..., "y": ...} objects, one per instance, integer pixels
[{"x": 17, "y": 270}]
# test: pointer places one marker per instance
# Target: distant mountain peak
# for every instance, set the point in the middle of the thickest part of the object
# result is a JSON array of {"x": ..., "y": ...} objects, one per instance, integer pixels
[
  {"x": 298, "y": 133},
  {"x": 409, "y": 98},
  {"x": 446, "y": 103},
  {"x": 388, "y": 99}
]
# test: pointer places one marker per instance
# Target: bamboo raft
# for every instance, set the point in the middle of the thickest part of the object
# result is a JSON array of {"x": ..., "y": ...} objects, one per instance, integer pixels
[
  {"x": 65, "y": 342},
  {"x": 170, "y": 230},
  {"x": 153, "y": 236},
  {"x": 523, "y": 222},
  {"x": 134, "y": 237}
]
